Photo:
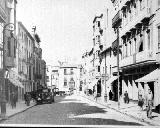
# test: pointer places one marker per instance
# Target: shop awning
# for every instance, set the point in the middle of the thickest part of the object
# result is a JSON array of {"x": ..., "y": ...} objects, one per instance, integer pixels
[
  {"x": 93, "y": 83},
  {"x": 16, "y": 82},
  {"x": 111, "y": 80},
  {"x": 153, "y": 76}
]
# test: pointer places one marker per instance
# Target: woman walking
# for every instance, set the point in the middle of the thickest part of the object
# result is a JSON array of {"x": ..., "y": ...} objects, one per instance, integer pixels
[
  {"x": 149, "y": 103},
  {"x": 140, "y": 99}
]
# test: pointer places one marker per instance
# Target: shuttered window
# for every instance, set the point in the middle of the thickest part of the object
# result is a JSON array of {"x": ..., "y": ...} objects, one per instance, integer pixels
[
  {"x": 158, "y": 37},
  {"x": 158, "y": 3},
  {"x": 65, "y": 82},
  {"x": 149, "y": 38}
]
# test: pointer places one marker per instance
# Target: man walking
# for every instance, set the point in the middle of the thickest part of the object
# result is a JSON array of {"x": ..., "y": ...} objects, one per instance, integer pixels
[{"x": 149, "y": 103}]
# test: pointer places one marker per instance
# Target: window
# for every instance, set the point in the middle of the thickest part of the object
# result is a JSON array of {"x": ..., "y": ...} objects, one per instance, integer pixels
[
  {"x": 65, "y": 71},
  {"x": 98, "y": 23},
  {"x": 130, "y": 48},
  {"x": 140, "y": 48},
  {"x": 98, "y": 38},
  {"x": 65, "y": 82},
  {"x": 94, "y": 42},
  {"x": 158, "y": 3},
  {"x": 93, "y": 28},
  {"x": 98, "y": 68},
  {"x": 149, "y": 38},
  {"x": 158, "y": 37},
  {"x": 110, "y": 70},
  {"x": 71, "y": 71},
  {"x": 125, "y": 49},
  {"x": 140, "y": 4},
  {"x": 143, "y": 4}
]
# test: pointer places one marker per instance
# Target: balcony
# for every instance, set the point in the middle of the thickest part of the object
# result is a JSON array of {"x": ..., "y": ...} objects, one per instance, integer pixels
[
  {"x": 142, "y": 17},
  {"x": 144, "y": 56},
  {"x": 3, "y": 15},
  {"x": 116, "y": 20}
]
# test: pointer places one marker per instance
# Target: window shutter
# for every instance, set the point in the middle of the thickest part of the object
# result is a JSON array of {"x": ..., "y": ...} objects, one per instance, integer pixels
[
  {"x": 159, "y": 36},
  {"x": 158, "y": 3}
]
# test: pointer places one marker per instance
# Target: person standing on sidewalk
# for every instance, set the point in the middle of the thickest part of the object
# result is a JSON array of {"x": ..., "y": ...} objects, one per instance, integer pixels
[
  {"x": 110, "y": 95},
  {"x": 149, "y": 103},
  {"x": 140, "y": 99},
  {"x": 28, "y": 99},
  {"x": 12, "y": 99},
  {"x": 126, "y": 97}
]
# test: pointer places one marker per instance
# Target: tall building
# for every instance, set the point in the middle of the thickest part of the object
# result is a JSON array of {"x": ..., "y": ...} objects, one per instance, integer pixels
[
  {"x": 138, "y": 36},
  {"x": 8, "y": 36},
  {"x": 37, "y": 55},
  {"x": 25, "y": 57}
]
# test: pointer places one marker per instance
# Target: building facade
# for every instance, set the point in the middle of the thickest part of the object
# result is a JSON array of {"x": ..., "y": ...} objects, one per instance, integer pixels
[
  {"x": 138, "y": 38},
  {"x": 69, "y": 77},
  {"x": 43, "y": 72},
  {"x": 25, "y": 57},
  {"x": 37, "y": 57},
  {"x": 8, "y": 36}
]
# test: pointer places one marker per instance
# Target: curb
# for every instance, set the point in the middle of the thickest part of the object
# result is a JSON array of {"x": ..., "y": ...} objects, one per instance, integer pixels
[
  {"x": 139, "y": 119},
  {"x": 16, "y": 113}
]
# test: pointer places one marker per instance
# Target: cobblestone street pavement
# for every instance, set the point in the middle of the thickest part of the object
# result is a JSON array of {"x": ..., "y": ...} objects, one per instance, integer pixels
[{"x": 72, "y": 110}]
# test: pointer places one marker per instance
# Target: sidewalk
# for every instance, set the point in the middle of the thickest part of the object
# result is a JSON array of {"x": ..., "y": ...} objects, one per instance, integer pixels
[
  {"x": 20, "y": 107},
  {"x": 131, "y": 109}
]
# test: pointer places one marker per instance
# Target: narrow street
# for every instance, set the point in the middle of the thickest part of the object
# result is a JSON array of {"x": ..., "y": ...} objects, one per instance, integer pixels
[{"x": 71, "y": 110}]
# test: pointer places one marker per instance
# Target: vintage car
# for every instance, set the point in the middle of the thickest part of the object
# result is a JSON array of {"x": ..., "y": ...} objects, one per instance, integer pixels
[{"x": 44, "y": 96}]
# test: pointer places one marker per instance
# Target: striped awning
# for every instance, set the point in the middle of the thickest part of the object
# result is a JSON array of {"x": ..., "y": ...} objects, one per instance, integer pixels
[
  {"x": 16, "y": 82},
  {"x": 151, "y": 77}
]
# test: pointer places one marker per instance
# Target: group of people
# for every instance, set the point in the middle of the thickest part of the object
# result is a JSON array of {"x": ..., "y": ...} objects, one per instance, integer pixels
[
  {"x": 147, "y": 100},
  {"x": 143, "y": 100}
]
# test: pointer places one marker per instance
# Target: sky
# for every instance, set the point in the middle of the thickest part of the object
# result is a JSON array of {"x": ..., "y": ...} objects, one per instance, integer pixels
[{"x": 64, "y": 26}]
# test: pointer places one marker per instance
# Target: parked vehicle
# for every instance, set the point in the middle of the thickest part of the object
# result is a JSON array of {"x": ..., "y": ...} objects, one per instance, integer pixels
[
  {"x": 68, "y": 93},
  {"x": 44, "y": 96}
]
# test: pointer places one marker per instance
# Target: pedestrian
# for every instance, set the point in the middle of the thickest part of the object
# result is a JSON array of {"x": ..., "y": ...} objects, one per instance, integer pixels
[
  {"x": 126, "y": 97},
  {"x": 95, "y": 95},
  {"x": 110, "y": 95},
  {"x": 149, "y": 103},
  {"x": 27, "y": 99},
  {"x": 140, "y": 99},
  {"x": 12, "y": 99}
]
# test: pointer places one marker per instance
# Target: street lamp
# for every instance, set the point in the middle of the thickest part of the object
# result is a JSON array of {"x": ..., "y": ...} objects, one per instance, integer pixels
[
  {"x": 3, "y": 98},
  {"x": 118, "y": 40}
]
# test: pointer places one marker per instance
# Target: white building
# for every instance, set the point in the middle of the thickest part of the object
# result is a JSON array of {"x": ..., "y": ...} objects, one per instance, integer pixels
[{"x": 69, "y": 77}]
